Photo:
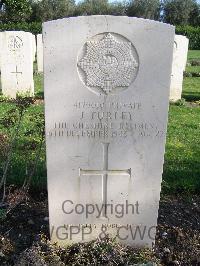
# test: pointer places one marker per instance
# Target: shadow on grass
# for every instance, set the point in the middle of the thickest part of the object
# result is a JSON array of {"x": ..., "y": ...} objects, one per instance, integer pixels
[
  {"x": 191, "y": 96},
  {"x": 181, "y": 176},
  {"x": 39, "y": 95},
  {"x": 18, "y": 172}
]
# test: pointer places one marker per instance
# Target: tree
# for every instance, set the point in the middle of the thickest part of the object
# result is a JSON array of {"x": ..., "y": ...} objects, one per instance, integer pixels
[
  {"x": 52, "y": 9},
  {"x": 15, "y": 10},
  {"x": 194, "y": 19},
  {"x": 180, "y": 12},
  {"x": 93, "y": 7},
  {"x": 149, "y": 9},
  {"x": 118, "y": 8}
]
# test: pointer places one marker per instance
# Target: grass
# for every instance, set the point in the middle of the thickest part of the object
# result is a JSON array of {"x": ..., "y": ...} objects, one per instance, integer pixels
[
  {"x": 191, "y": 89},
  {"x": 182, "y": 158},
  {"x": 191, "y": 85},
  {"x": 28, "y": 141},
  {"x": 193, "y": 54},
  {"x": 38, "y": 82},
  {"x": 193, "y": 69}
]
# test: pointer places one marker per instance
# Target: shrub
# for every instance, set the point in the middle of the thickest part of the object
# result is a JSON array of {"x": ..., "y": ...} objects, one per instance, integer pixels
[
  {"x": 191, "y": 74},
  {"x": 34, "y": 27},
  {"x": 195, "y": 63},
  {"x": 192, "y": 33}
]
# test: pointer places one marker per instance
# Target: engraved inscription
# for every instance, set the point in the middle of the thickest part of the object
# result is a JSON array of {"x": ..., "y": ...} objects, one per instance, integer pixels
[
  {"x": 14, "y": 43},
  {"x": 109, "y": 64},
  {"x": 93, "y": 122}
]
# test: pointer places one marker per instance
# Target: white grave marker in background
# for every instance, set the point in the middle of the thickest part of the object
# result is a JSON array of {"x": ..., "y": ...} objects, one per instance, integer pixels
[
  {"x": 179, "y": 63},
  {"x": 17, "y": 63},
  {"x": 34, "y": 47},
  {"x": 1, "y": 43},
  {"x": 39, "y": 53},
  {"x": 106, "y": 105}
]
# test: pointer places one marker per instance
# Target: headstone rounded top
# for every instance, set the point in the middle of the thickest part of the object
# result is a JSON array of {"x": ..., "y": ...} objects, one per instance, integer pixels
[{"x": 108, "y": 63}]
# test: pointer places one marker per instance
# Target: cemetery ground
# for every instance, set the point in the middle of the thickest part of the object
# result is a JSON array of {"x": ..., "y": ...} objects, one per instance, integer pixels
[{"x": 24, "y": 211}]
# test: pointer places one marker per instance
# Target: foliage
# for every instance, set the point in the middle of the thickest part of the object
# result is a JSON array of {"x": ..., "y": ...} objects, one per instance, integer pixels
[
  {"x": 195, "y": 63},
  {"x": 118, "y": 8},
  {"x": 52, "y": 9},
  {"x": 38, "y": 81},
  {"x": 176, "y": 12},
  {"x": 22, "y": 126},
  {"x": 93, "y": 7},
  {"x": 15, "y": 10},
  {"x": 193, "y": 69},
  {"x": 192, "y": 33},
  {"x": 180, "y": 102},
  {"x": 181, "y": 12},
  {"x": 149, "y": 9},
  {"x": 34, "y": 27}
]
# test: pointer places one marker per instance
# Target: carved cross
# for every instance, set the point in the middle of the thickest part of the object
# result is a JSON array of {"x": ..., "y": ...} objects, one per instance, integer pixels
[
  {"x": 16, "y": 72},
  {"x": 104, "y": 174}
]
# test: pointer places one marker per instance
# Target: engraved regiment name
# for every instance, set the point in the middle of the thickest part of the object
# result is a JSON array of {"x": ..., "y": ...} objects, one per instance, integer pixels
[{"x": 95, "y": 123}]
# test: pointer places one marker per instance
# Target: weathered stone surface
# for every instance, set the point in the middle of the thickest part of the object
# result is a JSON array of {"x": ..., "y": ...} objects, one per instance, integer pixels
[
  {"x": 1, "y": 43},
  {"x": 39, "y": 53},
  {"x": 106, "y": 93},
  {"x": 34, "y": 47}
]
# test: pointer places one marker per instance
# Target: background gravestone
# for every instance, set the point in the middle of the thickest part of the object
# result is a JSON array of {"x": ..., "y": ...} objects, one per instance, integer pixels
[
  {"x": 34, "y": 47},
  {"x": 185, "y": 54},
  {"x": 17, "y": 63},
  {"x": 106, "y": 106},
  {"x": 178, "y": 66},
  {"x": 1, "y": 43},
  {"x": 39, "y": 53}
]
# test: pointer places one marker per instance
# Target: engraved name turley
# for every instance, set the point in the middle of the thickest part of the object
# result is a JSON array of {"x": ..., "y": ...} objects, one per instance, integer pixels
[{"x": 108, "y": 64}]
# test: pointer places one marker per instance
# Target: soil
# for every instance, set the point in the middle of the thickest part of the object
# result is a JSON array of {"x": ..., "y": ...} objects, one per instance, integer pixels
[{"x": 177, "y": 241}]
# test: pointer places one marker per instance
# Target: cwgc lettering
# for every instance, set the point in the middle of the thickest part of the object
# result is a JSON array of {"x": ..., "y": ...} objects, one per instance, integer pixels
[{"x": 106, "y": 93}]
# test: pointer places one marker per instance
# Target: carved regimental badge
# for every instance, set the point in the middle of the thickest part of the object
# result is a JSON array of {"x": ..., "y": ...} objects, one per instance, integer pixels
[
  {"x": 15, "y": 43},
  {"x": 108, "y": 64}
]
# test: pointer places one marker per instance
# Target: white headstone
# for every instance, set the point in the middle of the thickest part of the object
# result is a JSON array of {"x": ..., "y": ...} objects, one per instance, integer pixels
[
  {"x": 39, "y": 53},
  {"x": 186, "y": 51},
  {"x": 17, "y": 63},
  {"x": 178, "y": 66},
  {"x": 34, "y": 47},
  {"x": 106, "y": 104},
  {"x": 1, "y": 43}
]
